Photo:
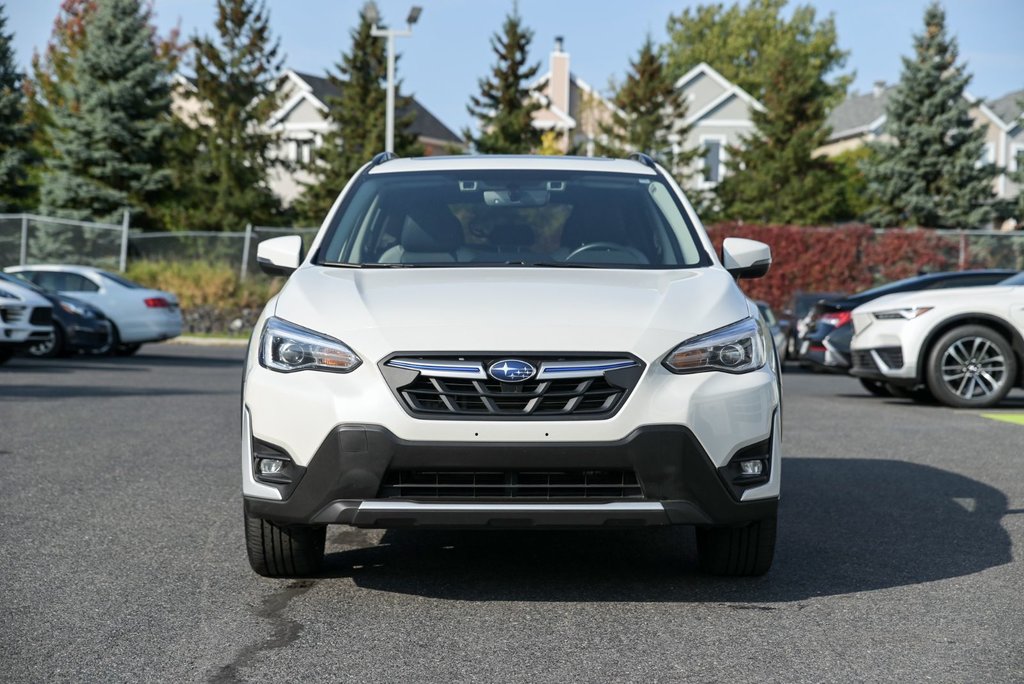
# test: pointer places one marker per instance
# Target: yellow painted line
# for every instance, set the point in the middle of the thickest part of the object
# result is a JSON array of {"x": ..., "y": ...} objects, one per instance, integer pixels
[{"x": 1015, "y": 418}]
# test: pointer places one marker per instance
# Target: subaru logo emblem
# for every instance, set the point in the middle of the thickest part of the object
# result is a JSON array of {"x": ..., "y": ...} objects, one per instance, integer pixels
[{"x": 511, "y": 370}]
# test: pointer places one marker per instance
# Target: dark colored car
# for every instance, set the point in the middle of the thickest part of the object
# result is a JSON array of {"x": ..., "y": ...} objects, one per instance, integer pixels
[
  {"x": 827, "y": 345},
  {"x": 77, "y": 326},
  {"x": 798, "y": 317}
]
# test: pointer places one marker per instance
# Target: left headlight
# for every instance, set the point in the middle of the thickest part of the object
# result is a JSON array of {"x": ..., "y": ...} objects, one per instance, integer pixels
[
  {"x": 908, "y": 313},
  {"x": 75, "y": 309},
  {"x": 286, "y": 348},
  {"x": 736, "y": 348}
]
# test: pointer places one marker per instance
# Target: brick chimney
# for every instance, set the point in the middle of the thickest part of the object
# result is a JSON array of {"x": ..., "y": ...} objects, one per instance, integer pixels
[{"x": 558, "y": 88}]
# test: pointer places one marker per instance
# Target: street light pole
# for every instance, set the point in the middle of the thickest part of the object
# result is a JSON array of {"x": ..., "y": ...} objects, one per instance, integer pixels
[{"x": 390, "y": 34}]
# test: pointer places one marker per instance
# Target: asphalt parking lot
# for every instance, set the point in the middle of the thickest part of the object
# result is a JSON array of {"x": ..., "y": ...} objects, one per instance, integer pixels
[{"x": 122, "y": 555}]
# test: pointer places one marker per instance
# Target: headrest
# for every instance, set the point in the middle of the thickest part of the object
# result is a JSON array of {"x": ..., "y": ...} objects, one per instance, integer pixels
[
  {"x": 588, "y": 223},
  {"x": 511, "y": 235},
  {"x": 431, "y": 229}
]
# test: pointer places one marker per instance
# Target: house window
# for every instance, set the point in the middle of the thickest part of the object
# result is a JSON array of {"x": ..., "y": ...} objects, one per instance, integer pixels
[
  {"x": 1016, "y": 157},
  {"x": 988, "y": 155},
  {"x": 714, "y": 154}
]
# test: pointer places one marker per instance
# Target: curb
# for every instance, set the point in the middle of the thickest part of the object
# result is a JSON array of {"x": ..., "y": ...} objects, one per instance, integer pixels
[{"x": 208, "y": 341}]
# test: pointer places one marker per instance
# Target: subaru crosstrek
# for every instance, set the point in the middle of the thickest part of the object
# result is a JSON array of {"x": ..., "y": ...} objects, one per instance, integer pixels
[{"x": 500, "y": 342}]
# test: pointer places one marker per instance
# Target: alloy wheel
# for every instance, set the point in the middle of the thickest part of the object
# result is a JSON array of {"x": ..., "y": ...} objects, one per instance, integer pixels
[{"x": 973, "y": 367}]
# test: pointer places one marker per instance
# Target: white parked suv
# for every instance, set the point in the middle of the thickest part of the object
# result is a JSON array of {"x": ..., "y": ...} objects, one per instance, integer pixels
[
  {"x": 26, "y": 318},
  {"x": 965, "y": 345},
  {"x": 511, "y": 342}
]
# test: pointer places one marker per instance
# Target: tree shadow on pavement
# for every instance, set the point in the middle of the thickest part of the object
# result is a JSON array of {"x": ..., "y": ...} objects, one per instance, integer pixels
[{"x": 844, "y": 526}]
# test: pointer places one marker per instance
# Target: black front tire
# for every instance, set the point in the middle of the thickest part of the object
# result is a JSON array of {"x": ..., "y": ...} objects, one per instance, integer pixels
[
  {"x": 284, "y": 550},
  {"x": 52, "y": 348},
  {"x": 127, "y": 349},
  {"x": 875, "y": 387},
  {"x": 737, "y": 551}
]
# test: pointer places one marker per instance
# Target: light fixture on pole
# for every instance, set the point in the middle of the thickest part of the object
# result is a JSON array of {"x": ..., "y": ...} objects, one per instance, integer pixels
[{"x": 384, "y": 32}]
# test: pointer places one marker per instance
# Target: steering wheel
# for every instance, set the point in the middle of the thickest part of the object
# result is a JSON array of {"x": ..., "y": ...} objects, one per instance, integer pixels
[{"x": 613, "y": 246}]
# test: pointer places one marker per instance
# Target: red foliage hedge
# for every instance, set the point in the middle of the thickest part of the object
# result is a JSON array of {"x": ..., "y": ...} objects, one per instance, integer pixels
[{"x": 839, "y": 259}]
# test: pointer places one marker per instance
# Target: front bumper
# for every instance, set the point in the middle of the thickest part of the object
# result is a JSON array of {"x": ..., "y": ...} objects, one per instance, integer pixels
[
  {"x": 88, "y": 335},
  {"x": 342, "y": 483}
]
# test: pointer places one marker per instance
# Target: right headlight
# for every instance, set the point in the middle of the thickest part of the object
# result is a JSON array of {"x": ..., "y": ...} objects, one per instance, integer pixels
[
  {"x": 737, "y": 348},
  {"x": 908, "y": 313},
  {"x": 286, "y": 348}
]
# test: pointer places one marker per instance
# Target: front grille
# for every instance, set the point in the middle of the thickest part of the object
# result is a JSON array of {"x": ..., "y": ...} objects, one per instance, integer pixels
[
  {"x": 511, "y": 484},
  {"x": 431, "y": 387},
  {"x": 891, "y": 356},
  {"x": 12, "y": 314},
  {"x": 864, "y": 361},
  {"x": 41, "y": 315},
  {"x": 489, "y": 397}
]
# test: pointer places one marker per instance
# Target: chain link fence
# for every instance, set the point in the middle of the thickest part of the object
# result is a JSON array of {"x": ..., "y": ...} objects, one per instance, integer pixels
[{"x": 30, "y": 239}]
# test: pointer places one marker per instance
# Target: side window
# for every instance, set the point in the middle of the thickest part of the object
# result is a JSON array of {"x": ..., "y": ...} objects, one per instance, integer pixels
[
  {"x": 49, "y": 280},
  {"x": 76, "y": 283},
  {"x": 973, "y": 281}
]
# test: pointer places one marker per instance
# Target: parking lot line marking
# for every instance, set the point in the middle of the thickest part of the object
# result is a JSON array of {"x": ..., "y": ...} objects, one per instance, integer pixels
[{"x": 1015, "y": 418}]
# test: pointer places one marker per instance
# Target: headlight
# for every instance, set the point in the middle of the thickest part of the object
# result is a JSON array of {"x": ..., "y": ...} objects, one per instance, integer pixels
[
  {"x": 8, "y": 295},
  {"x": 908, "y": 313},
  {"x": 736, "y": 348},
  {"x": 286, "y": 347},
  {"x": 75, "y": 309}
]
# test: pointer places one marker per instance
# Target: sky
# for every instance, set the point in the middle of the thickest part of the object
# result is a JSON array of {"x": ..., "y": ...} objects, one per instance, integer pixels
[{"x": 449, "y": 51}]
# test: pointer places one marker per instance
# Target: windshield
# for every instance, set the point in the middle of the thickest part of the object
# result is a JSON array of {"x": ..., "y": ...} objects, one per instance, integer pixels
[
  {"x": 22, "y": 282},
  {"x": 512, "y": 218},
  {"x": 121, "y": 281}
]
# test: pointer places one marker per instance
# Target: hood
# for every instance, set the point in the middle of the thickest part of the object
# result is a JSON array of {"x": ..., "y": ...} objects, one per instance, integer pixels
[
  {"x": 381, "y": 311},
  {"x": 904, "y": 300}
]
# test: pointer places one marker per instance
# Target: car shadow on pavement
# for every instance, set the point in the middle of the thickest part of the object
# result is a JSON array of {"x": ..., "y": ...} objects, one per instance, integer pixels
[
  {"x": 844, "y": 526},
  {"x": 49, "y": 392}
]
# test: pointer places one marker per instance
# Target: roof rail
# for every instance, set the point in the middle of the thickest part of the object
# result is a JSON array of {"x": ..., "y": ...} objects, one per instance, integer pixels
[
  {"x": 643, "y": 159},
  {"x": 382, "y": 157}
]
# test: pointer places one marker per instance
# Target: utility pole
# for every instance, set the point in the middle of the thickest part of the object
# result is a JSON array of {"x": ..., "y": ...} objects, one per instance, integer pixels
[{"x": 384, "y": 32}]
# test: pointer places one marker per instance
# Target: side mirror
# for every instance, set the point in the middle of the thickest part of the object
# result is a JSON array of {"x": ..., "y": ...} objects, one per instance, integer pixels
[
  {"x": 746, "y": 258},
  {"x": 280, "y": 255}
]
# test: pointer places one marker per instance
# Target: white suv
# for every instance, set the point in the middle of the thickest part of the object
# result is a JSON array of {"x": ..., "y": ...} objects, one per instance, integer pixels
[
  {"x": 965, "y": 346},
  {"x": 26, "y": 318},
  {"x": 511, "y": 342}
]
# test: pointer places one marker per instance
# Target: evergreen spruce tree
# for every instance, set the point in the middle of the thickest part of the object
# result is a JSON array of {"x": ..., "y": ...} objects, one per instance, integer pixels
[
  {"x": 775, "y": 177},
  {"x": 15, "y": 137},
  {"x": 224, "y": 182},
  {"x": 358, "y": 118},
  {"x": 108, "y": 130},
  {"x": 650, "y": 114},
  {"x": 1018, "y": 177},
  {"x": 930, "y": 175},
  {"x": 505, "y": 107}
]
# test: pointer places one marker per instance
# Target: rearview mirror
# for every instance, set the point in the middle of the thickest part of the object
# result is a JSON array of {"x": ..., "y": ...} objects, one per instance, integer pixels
[
  {"x": 746, "y": 258},
  {"x": 280, "y": 255}
]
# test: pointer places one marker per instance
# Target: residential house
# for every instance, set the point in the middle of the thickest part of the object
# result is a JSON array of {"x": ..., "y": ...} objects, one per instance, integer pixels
[
  {"x": 861, "y": 118},
  {"x": 719, "y": 112},
  {"x": 301, "y": 120},
  {"x": 569, "y": 105}
]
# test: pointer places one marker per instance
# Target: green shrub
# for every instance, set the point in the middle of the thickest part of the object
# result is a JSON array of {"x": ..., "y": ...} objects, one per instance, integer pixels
[{"x": 205, "y": 284}]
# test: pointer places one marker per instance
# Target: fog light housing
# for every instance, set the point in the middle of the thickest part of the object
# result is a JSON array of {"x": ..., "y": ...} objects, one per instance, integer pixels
[
  {"x": 269, "y": 466},
  {"x": 752, "y": 468}
]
